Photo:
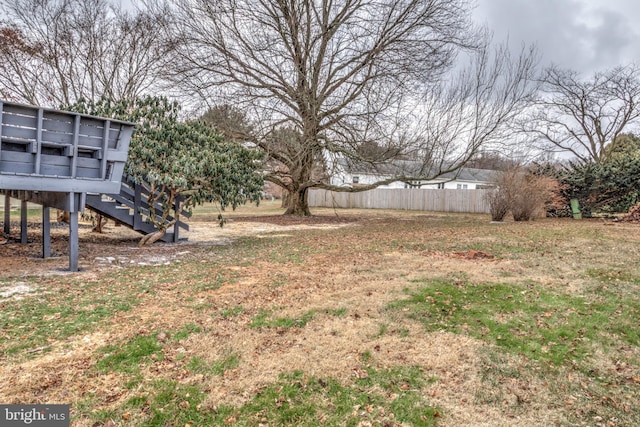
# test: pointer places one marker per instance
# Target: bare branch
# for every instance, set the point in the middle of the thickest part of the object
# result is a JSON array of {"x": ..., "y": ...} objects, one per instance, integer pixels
[
  {"x": 582, "y": 116},
  {"x": 56, "y": 52}
]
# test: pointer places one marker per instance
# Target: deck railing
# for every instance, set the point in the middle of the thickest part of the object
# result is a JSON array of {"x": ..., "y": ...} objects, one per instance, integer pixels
[{"x": 43, "y": 149}]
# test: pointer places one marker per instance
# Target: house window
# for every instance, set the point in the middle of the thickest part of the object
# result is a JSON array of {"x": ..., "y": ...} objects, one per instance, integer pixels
[
  {"x": 462, "y": 186},
  {"x": 441, "y": 186},
  {"x": 356, "y": 179}
]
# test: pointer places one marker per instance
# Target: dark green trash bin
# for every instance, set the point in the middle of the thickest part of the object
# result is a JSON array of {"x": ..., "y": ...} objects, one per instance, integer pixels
[{"x": 575, "y": 209}]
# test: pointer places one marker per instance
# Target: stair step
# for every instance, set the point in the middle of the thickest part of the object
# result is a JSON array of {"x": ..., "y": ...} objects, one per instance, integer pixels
[{"x": 120, "y": 207}]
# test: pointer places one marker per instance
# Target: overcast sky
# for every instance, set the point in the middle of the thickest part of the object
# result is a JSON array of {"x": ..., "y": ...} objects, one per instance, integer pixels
[{"x": 585, "y": 35}]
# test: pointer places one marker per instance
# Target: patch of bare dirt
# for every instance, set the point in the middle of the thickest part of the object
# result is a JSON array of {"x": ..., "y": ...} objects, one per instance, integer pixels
[
  {"x": 118, "y": 245},
  {"x": 471, "y": 254},
  {"x": 289, "y": 220}
]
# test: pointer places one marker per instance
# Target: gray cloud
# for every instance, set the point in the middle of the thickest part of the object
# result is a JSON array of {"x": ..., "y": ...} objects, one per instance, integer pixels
[{"x": 585, "y": 35}]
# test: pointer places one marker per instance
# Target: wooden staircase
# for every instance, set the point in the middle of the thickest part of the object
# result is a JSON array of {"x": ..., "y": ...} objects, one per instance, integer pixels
[{"x": 129, "y": 208}]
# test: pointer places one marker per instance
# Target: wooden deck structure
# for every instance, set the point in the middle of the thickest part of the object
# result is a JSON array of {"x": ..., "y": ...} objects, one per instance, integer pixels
[{"x": 55, "y": 158}]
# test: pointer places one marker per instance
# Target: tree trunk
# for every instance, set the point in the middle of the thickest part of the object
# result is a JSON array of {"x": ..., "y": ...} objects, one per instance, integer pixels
[
  {"x": 285, "y": 198},
  {"x": 99, "y": 222},
  {"x": 63, "y": 216},
  {"x": 151, "y": 238},
  {"x": 297, "y": 203}
]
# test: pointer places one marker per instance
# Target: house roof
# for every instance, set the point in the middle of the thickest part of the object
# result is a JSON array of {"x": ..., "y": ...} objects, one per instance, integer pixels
[
  {"x": 409, "y": 168},
  {"x": 470, "y": 174}
]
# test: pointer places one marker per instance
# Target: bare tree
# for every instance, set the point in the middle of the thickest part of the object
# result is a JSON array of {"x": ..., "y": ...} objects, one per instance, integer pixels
[
  {"x": 475, "y": 110},
  {"x": 57, "y": 51},
  {"x": 581, "y": 116},
  {"x": 327, "y": 79}
]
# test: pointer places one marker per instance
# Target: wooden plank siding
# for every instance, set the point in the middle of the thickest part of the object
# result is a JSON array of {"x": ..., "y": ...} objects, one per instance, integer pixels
[
  {"x": 39, "y": 146},
  {"x": 436, "y": 200}
]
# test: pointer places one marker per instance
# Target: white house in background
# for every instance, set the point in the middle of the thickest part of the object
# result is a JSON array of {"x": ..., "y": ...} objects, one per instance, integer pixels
[{"x": 349, "y": 174}]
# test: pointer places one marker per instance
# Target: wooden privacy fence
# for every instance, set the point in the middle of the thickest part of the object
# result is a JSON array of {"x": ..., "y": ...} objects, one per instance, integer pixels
[{"x": 438, "y": 200}]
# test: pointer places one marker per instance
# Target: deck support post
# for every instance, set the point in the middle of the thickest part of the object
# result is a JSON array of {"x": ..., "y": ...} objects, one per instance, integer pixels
[
  {"x": 23, "y": 222},
  {"x": 46, "y": 232},
  {"x": 137, "y": 202},
  {"x": 76, "y": 203},
  {"x": 73, "y": 241},
  {"x": 176, "y": 226},
  {"x": 7, "y": 213}
]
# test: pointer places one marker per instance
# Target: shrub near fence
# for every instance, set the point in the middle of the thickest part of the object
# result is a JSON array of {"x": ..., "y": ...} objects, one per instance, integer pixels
[{"x": 437, "y": 200}]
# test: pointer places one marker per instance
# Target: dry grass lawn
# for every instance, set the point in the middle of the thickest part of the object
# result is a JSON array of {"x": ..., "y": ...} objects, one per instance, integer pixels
[{"x": 231, "y": 310}]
